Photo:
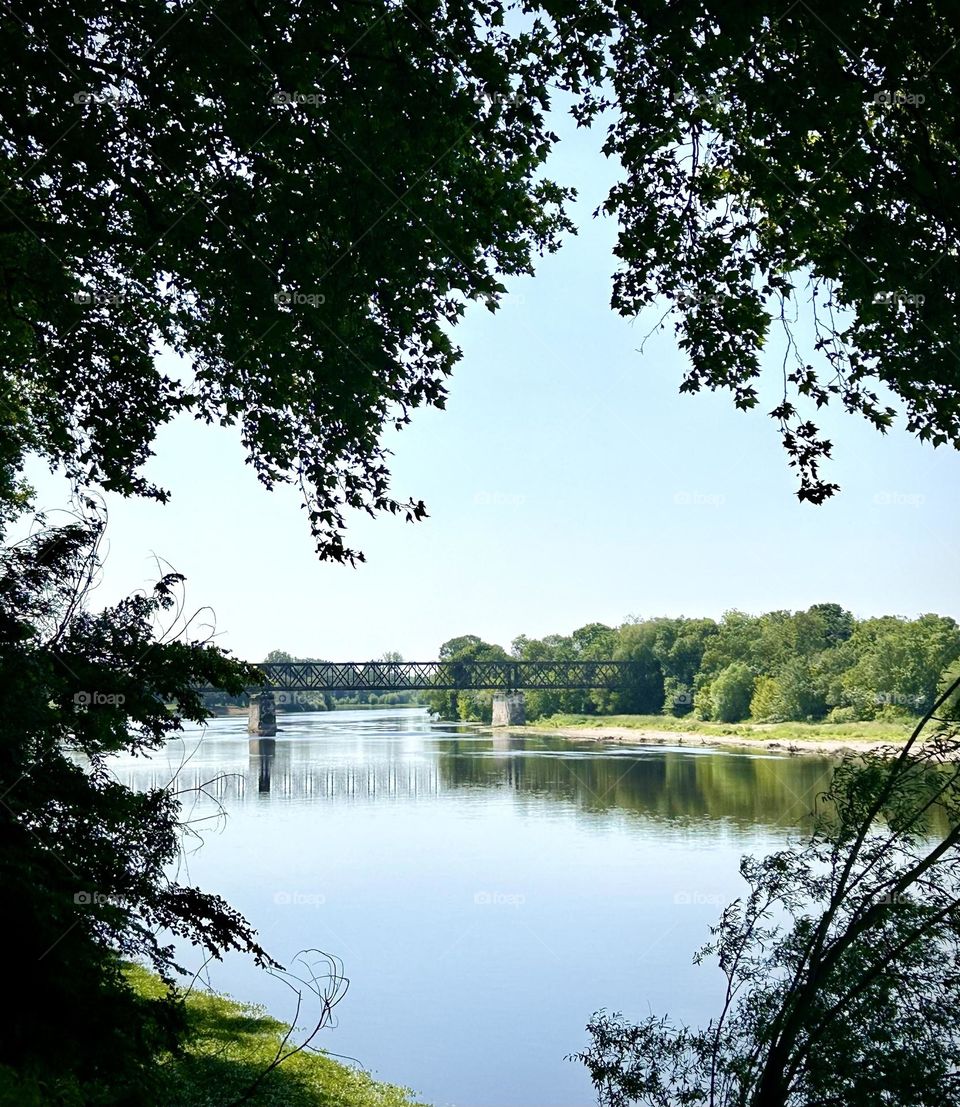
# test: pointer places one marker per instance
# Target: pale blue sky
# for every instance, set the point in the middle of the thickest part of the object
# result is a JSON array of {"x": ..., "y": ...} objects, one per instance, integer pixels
[{"x": 567, "y": 481}]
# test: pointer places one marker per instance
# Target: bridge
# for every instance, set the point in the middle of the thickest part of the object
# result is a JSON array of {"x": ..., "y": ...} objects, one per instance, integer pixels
[
  {"x": 440, "y": 676},
  {"x": 506, "y": 677}
]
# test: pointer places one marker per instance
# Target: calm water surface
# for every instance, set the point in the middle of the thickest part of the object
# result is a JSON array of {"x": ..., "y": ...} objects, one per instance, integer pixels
[{"x": 485, "y": 894}]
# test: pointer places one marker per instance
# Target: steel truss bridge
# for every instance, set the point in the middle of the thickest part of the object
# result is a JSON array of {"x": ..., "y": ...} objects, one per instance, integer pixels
[{"x": 403, "y": 676}]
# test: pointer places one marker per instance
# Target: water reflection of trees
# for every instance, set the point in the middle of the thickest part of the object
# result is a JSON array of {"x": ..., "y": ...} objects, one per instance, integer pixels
[
  {"x": 654, "y": 782},
  {"x": 663, "y": 783}
]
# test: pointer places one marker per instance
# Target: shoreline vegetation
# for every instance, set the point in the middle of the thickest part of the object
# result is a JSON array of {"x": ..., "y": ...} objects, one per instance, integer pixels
[
  {"x": 226, "y": 1055},
  {"x": 819, "y": 738},
  {"x": 230, "y": 1043},
  {"x": 822, "y": 665},
  {"x": 790, "y": 737}
]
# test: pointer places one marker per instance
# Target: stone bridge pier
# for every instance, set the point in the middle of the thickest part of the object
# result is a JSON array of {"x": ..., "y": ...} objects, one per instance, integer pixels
[
  {"x": 263, "y": 715},
  {"x": 509, "y": 709}
]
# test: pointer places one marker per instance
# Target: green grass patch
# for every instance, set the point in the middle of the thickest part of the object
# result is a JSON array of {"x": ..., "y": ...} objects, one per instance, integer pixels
[
  {"x": 231, "y": 1043},
  {"x": 863, "y": 732}
]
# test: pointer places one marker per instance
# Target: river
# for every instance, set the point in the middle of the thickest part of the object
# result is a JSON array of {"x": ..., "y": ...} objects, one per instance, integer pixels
[{"x": 485, "y": 894}]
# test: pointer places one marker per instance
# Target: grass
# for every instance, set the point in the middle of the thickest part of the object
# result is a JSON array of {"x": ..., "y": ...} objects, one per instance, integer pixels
[
  {"x": 874, "y": 731},
  {"x": 231, "y": 1043}
]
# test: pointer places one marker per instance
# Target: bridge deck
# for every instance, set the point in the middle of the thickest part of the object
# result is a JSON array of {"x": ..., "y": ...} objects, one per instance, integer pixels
[{"x": 402, "y": 676}]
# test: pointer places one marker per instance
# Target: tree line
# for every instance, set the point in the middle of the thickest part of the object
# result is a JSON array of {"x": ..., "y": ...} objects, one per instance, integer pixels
[{"x": 821, "y": 664}]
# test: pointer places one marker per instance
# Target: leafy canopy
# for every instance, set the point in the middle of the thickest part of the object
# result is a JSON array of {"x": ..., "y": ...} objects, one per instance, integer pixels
[
  {"x": 299, "y": 201},
  {"x": 302, "y": 203},
  {"x": 793, "y": 162}
]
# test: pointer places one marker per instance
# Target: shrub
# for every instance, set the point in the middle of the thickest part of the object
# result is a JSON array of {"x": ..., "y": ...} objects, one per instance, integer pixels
[
  {"x": 703, "y": 702},
  {"x": 731, "y": 693},
  {"x": 846, "y": 714},
  {"x": 767, "y": 705}
]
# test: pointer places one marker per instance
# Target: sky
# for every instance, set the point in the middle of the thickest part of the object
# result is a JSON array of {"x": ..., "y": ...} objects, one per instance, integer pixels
[{"x": 567, "y": 481}]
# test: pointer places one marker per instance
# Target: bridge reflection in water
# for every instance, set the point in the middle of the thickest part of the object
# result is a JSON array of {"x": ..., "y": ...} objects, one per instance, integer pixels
[
  {"x": 389, "y": 780},
  {"x": 272, "y": 770},
  {"x": 363, "y": 763}
]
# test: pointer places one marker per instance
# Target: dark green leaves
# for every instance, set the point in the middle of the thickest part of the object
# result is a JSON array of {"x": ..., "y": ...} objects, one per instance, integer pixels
[
  {"x": 777, "y": 151},
  {"x": 299, "y": 200}
]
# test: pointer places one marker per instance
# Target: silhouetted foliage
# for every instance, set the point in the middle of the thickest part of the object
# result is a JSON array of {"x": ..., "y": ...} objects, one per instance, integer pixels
[
  {"x": 84, "y": 858},
  {"x": 842, "y": 962},
  {"x": 300, "y": 201},
  {"x": 792, "y": 167}
]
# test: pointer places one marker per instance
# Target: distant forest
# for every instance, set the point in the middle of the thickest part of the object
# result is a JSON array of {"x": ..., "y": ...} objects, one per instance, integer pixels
[
  {"x": 817, "y": 665},
  {"x": 813, "y": 665}
]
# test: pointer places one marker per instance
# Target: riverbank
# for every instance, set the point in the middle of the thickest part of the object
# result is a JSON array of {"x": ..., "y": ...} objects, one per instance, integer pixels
[
  {"x": 231, "y": 1043},
  {"x": 819, "y": 738}
]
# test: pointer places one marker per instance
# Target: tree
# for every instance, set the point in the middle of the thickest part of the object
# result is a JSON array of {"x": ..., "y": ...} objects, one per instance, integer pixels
[
  {"x": 802, "y": 689},
  {"x": 278, "y": 197},
  {"x": 84, "y": 860},
  {"x": 950, "y": 702},
  {"x": 900, "y": 662},
  {"x": 767, "y": 703},
  {"x": 737, "y": 639},
  {"x": 595, "y": 640},
  {"x": 466, "y": 645},
  {"x": 842, "y": 962},
  {"x": 544, "y": 702},
  {"x": 468, "y": 704},
  {"x": 284, "y": 205},
  {"x": 642, "y": 692},
  {"x": 679, "y": 647},
  {"x": 731, "y": 692},
  {"x": 770, "y": 157},
  {"x": 834, "y": 625},
  {"x": 785, "y": 160}
]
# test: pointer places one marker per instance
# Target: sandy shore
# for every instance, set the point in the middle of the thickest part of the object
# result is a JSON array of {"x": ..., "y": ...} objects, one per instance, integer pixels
[{"x": 825, "y": 746}]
